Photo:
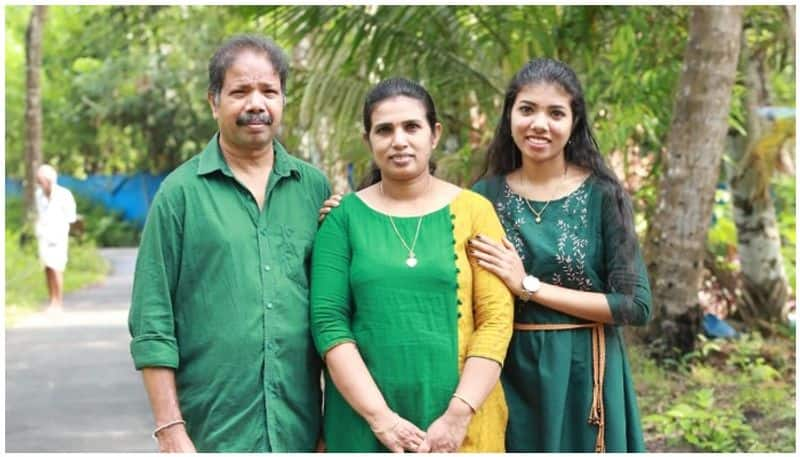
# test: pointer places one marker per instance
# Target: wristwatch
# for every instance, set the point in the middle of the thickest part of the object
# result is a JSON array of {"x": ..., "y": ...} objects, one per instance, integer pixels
[{"x": 530, "y": 285}]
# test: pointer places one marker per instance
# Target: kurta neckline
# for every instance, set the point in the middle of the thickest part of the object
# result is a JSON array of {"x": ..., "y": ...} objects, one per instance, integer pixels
[
  {"x": 557, "y": 200},
  {"x": 430, "y": 213}
]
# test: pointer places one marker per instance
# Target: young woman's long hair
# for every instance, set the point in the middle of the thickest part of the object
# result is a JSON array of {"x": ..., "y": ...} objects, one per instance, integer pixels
[
  {"x": 389, "y": 88},
  {"x": 504, "y": 156}
]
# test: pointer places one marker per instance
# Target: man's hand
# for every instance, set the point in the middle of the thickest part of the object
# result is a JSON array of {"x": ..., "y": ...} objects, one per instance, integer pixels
[
  {"x": 175, "y": 439},
  {"x": 328, "y": 205}
]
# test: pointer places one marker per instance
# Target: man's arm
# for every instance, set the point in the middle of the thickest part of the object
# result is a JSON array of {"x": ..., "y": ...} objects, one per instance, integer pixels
[
  {"x": 160, "y": 385},
  {"x": 151, "y": 320}
]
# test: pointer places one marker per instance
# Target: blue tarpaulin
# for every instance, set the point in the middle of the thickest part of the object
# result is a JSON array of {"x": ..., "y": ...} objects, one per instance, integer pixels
[{"x": 128, "y": 195}]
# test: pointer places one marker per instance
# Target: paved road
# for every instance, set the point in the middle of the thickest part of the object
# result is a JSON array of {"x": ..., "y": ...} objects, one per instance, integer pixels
[{"x": 70, "y": 382}]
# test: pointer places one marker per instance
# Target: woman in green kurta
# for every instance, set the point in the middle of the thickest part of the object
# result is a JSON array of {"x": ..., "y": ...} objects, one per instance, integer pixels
[
  {"x": 413, "y": 333},
  {"x": 572, "y": 258}
]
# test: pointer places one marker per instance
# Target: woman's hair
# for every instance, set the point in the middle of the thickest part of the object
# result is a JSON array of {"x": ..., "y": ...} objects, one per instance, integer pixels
[
  {"x": 503, "y": 155},
  {"x": 389, "y": 88}
]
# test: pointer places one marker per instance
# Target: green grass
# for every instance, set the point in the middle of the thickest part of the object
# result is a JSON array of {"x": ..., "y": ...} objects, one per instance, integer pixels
[
  {"x": 26, "y": 289},
  {"x": 727, "y": 396}
]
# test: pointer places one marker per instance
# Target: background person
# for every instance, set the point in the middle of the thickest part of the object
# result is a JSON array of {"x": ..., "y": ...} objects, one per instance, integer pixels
[{"x": 55, "y": 211}]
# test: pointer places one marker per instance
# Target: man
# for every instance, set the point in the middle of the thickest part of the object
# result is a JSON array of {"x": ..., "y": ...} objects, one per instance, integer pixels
[
  {"x": 55, "y": 209},
  {"x": 219, "y": 316}
]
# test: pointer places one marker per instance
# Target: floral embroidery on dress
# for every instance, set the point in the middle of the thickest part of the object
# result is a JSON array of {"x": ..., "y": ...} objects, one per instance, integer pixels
[
  {"x": 510, "y": 210},
  {"x": 571, "y": 255},
  {"x": 572, "y": 247}
]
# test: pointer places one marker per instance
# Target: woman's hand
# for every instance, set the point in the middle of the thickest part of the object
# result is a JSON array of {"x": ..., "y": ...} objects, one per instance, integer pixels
[
  {"x": 500, "y": 259},
  {"x": 399, "y": 435},
  {"x": 328, "y": 205},
  {"x": 175, "y": 439},
  {"x": 448, "y": 431}
]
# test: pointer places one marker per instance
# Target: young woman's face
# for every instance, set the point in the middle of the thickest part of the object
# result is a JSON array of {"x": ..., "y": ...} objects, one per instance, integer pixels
[
  {"x": 541, "y": 121},
  {"x": 401, "y": 139}
]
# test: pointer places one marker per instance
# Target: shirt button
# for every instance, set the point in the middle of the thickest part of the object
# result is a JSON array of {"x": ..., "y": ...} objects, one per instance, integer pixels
[
  {"x": 269, "y": 305},
  {"x": 267, "y": 268}
]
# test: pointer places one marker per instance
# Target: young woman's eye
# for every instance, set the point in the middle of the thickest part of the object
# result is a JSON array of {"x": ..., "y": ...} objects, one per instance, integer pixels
[
  {"x": 525, "y": 109},
  {"x": 558, "y": 114}
]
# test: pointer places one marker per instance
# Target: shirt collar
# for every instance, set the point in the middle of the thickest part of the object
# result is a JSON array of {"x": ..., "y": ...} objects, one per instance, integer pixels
[{"x": 211, "y": 160}]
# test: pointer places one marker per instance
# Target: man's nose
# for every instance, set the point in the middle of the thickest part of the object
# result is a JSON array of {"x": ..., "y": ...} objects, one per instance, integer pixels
[{"x": 256, "y": 103}]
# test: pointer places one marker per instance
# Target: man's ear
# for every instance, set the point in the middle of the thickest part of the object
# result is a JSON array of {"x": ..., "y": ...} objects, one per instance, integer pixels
[{"x": 212, "y": 102}]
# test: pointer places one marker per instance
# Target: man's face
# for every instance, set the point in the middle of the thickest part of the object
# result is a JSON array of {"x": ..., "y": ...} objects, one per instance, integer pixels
[
  {"x": 44, "y": 183},
  {"x": 250, "y": 105}
]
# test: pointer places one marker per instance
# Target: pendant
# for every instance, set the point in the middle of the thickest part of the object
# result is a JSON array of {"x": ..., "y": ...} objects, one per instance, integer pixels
[
  {"x": 538, "y": 220},
  {"x": 411, "y": 261}
]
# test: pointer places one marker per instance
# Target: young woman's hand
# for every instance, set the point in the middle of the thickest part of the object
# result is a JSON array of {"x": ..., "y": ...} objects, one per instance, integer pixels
[
  {"x": 500, "y": 259},
  {"x": 328, "y": 205}
]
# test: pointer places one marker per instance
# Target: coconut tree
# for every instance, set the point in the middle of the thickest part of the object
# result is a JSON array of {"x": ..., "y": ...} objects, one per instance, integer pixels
[
  {"x": 677, "y": 233},
  {"x": 33, "y": 103}
]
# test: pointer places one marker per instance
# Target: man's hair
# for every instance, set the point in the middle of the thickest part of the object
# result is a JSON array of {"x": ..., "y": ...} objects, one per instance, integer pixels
[
  {"x": 224, "y": 56},
  {"x": 48, "y": 172}
]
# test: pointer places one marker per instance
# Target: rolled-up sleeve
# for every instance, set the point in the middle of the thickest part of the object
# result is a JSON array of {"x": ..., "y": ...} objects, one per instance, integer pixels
[
  {"x": 331, "y": 310},
  {"x": 151, "y": 319},
  {"x": 492, "y": 302}
]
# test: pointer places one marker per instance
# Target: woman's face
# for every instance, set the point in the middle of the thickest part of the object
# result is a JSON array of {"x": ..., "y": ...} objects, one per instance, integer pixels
[
  {"x": 541, "y": 122},
  {"x": 400, "y": 139}
]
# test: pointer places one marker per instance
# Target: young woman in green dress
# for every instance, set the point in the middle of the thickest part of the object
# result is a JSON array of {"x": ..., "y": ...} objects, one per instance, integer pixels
[
  {"x": 571, "y": 257},
  {"x": 413, "y": 333}
]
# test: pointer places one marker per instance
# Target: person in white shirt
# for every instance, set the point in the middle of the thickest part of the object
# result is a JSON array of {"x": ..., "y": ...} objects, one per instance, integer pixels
[{"x": 55, "y": 208}]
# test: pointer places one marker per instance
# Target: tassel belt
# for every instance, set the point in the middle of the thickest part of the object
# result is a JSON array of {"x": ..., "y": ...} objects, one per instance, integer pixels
[{"x": 597, "y": 412}]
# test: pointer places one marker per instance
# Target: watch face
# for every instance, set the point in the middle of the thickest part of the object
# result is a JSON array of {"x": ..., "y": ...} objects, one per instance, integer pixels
[{"x": 530, "y": 283}]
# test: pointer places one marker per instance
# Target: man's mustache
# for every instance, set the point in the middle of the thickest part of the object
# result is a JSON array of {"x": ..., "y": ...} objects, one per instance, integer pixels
[{"x": 254, "y": 118}]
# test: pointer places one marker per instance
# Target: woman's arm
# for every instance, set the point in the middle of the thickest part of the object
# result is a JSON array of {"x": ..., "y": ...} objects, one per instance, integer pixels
[
  {"x": 503, "y": 261},
  {"x": 354, "y": 382},
  {"x": 626, "y": 300},
  {"x": 330, "y": 327},
  {"x": 493, "y": 320}
]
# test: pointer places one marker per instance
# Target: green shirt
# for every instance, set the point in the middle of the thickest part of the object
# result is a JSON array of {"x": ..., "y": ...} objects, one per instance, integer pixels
[{"x": 221, "y": 295}]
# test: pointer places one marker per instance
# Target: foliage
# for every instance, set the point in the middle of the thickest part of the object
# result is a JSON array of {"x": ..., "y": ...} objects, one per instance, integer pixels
[
  {"x": 466, "y": 57},
  {"x": 105, "y": 228},
  {"x": 785, "y": 206},
  {"x": 26, "y": 288},
  {"x": 726, "y": 396}
]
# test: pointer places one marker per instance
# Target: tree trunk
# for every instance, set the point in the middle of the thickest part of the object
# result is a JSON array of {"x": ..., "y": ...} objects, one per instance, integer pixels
[
  {"x": 33, "y": 105},
  {"x": 765, "y": 288},
  {"x": 677, "y": 233}
]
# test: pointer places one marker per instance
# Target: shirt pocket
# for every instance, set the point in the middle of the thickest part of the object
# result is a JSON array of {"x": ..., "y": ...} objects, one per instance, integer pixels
[{"x": 297, "y": 245}]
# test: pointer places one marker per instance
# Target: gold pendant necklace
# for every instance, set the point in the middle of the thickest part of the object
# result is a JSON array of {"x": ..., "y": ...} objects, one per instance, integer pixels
[
  {"x": 539, "y": 213},
  {"x": 411, "y": 261}
]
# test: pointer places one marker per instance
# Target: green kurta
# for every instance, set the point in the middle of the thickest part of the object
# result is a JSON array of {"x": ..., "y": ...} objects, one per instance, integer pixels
[
  {"x": 548, "y": 374},
  {"x": 220, "y": 294},
  {"x": 414, "y": 327}
]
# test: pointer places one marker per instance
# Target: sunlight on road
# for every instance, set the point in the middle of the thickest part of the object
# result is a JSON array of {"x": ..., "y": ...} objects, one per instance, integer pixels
[{"x": 94, "y": 318}]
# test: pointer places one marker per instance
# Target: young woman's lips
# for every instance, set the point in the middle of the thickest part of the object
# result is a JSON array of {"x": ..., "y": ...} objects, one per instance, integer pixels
[{"x": 537, "y": 142}]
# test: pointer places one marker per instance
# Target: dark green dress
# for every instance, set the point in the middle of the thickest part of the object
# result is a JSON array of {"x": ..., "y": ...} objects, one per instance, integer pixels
[{"x": 548, "y": 375}]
